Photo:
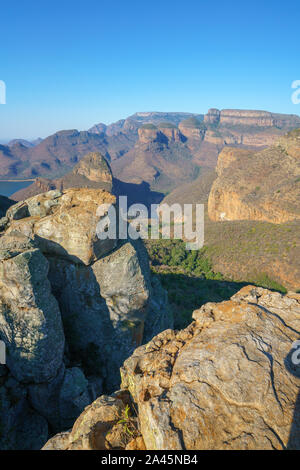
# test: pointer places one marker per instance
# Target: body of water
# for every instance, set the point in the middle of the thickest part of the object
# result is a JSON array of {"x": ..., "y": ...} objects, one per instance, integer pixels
[{"x": 7, "y": 188}]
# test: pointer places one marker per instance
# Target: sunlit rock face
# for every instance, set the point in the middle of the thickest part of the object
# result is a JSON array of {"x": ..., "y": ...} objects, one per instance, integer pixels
[{"x": 260, "y": 186}]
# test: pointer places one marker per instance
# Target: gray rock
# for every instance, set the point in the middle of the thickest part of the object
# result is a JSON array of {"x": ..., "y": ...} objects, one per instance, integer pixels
[
  {"x": 105, "y": 308},
  {"x": 18, "y": 211},
  {"x": 30, "y": 321},
  {"x": 62, "y": 399},
  {"x": 41, "y": 205},
  {"x": 20, "y": 427},
  {"x": 14, "y": 244}
]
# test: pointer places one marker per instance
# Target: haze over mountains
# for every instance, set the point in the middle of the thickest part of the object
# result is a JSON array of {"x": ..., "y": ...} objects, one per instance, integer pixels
[{"x": 163, "y": 149}]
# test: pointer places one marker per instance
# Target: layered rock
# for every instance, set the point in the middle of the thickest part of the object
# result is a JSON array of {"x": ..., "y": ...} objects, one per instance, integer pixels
[
  {"x": 193, "y": 129},
  {"x": 160, "y": 157},
  {"x": 248, "y": 128},
  {"x": 260, "y": 186},
  {"x": 257, "y": 118},
  {"x": 201, "y": 389},
  {"x": 72, "y": 308},
  {"x": 148, "y": 134},
  {"x": 212, "y": 116},
  {"x": 164, "y": 133}
]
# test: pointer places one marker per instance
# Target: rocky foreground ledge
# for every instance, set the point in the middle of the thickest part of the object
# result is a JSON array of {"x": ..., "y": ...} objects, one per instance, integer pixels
[
  {"x": 72, "y": 309},
  {"x": 228, "y": 381}
]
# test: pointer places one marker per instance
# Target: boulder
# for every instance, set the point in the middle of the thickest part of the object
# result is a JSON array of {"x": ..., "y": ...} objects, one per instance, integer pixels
[
  {"x": 64, "y": 224},
  {"x": 95, "y": 429},
  {"x": 72, "y": 309},
  {"x": 226, "y": 382},
  {"x": 109, "y": 308},
  {"x": 30, "y": 321}
]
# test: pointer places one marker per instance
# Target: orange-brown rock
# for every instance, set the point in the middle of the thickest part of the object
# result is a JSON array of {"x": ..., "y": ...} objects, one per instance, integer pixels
[
  {"x": 257, "y": 186},
  {"x": 228, "y": 381},
  {"x": 103, "y": 425},
  {"x": 192, "y": 128}
]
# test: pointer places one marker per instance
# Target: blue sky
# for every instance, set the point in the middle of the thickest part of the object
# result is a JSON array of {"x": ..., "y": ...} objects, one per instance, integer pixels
[{"x": 71, "y": 64}]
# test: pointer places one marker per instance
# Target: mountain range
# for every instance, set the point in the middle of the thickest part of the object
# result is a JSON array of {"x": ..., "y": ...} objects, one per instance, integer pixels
[{"x": 162, "y": 149}]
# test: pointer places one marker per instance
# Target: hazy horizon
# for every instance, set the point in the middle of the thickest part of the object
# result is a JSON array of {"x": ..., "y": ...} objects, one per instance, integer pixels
[{"x": 32, "y": 138}]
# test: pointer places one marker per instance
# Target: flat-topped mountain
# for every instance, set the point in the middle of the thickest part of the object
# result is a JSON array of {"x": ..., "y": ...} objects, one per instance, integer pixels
[
  {"x": 258, "y": 185},
  {"x": 251, "y": 118},
  {"x": 134, "y": 122}
]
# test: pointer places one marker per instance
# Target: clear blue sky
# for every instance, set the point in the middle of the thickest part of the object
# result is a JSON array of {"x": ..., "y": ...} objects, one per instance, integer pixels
[{"x": 71, "y": 64}]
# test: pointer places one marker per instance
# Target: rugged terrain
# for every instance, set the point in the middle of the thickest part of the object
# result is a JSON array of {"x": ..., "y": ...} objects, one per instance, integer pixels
[
  {"x": 200, "y": 389},
  {"x": 92, "y": 171},
  {"x": 196, "y": 140},
  {"x": 261, "y": 186},
  {"x": 167, "y": 155},
  {"x": 73, "y": 307}
]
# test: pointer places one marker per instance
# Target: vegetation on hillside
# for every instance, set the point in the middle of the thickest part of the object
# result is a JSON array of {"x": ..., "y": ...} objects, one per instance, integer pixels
[
  {"x": 190, "y": 279},
  {"x": 148, "y": 126},
  {"x": 167, "y": 125},
  {"x": 193, "y": 123}
]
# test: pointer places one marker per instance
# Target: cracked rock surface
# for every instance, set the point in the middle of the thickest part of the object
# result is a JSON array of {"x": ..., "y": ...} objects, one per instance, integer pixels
[{"x": 226, "y": 382}]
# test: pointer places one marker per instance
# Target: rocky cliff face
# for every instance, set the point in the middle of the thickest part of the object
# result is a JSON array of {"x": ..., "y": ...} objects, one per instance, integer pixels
[
  {"x": 72, "y": 309},
  {"x": 160, "y": 157},
  {"x": 246, "y": 127},
  {"x": 240, "y": 117},
  {"x": 202, "y": 389},
  {"x": 137, "y": 120},
  {"x": 258, "y": 186}
]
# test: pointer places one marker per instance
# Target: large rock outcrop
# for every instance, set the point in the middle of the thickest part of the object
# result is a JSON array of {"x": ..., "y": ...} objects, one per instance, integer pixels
[
  {"x": 92, "y": 171},
  {"x": 260, "y": 186},
  {"x": 228, "y": 381},
  {"x": 72, "y": 309}
]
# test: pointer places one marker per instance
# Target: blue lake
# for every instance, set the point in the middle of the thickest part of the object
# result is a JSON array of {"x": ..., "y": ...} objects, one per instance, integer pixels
[{"x": 7, "y": 188}]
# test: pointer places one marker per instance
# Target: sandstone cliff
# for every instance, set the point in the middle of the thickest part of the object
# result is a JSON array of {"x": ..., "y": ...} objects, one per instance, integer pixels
[
  {"x": 258, "y": 186},
  {"x": 160, "y": 156},
  {"x": 202, "y": 389}
]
